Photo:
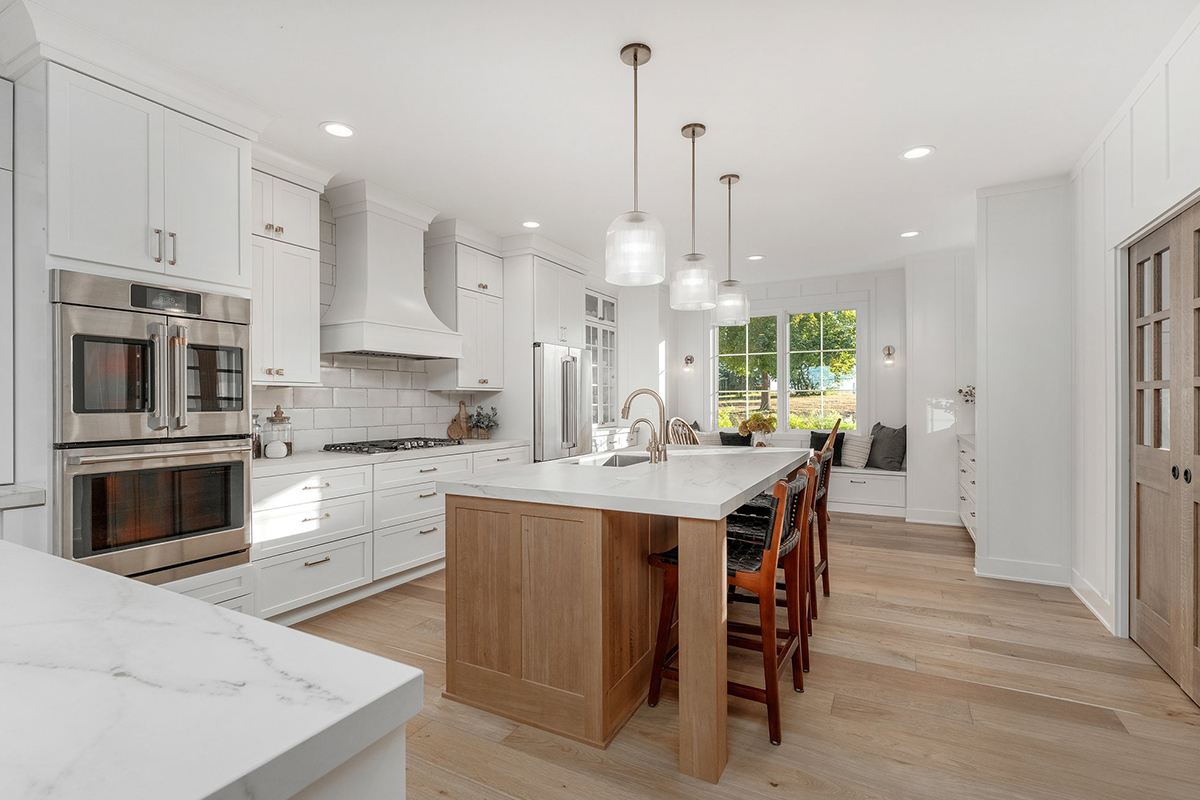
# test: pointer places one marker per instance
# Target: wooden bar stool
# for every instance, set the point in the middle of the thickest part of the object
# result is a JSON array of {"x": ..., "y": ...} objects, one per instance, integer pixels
[
  {"x": 820, "y": 566},
  {"x": 752, "y": 566}
]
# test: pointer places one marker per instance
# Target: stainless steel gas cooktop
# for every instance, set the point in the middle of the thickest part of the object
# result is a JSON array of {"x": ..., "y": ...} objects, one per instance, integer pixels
[{"x": 390, "y": 445}]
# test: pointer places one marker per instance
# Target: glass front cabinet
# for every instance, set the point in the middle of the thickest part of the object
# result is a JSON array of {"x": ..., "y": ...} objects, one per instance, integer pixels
[{"x": 600, "y": 334}]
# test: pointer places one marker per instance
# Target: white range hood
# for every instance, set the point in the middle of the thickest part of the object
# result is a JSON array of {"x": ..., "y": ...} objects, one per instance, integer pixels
[{"x": 379, "y": 306}]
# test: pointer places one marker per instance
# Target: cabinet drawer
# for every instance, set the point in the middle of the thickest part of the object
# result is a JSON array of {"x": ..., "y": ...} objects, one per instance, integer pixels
[
  {"x": 297, "y": 579},
  {"x": 494, "y": 460},
  {"x": 244, "y": 604},
  {"x": 870, "y": 490},
  {"x": 309, "y": 487},
  {"x": 406, "y": 546},
  {"x": 967, "y": 477},
  {"x": 408, "y": 503},
  {"x": 282, "y": 530},
  {"x": 216, "y": 587},
  {"x": 418, "y": 470}
]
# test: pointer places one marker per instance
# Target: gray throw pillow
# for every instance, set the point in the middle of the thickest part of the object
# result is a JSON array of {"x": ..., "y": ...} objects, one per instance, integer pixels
[{"x": 887, "y": 447}]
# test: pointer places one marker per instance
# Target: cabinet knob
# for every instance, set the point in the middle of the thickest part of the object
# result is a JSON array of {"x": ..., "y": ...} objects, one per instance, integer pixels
[
  {"x": 483, "y": 286},
  {"x": 269, "y": 371},
  {"x": 972, "y": 513},
  {"x": 963, "y": 471},
  {"x": 962, "y": 497},
  {"x": 279, "y": 371},
  {"x": 279, "y": 229},
  {"x": 269, "y": 227},
  {"x": 483, "y": 380}
]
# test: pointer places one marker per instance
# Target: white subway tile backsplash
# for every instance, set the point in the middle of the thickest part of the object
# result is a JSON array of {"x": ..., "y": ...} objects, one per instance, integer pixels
[
  {"x": 333, "y": 376},
  {"x": 271, "y": 396},
  {"x": 447, "y": 413},
  {"x": 364, "y": 417},
  {"x": 416, "y": 430},
  {"x": 418, "y": 380},
  {"x": 424, "y": 415},
  {"x": 381, "y": 398},
  {"x": 349, "y": 434},
  {"x": 331, "y": 418},
  {"x": 366, "y": 378},
  {"x": 302, "y": 418},
  {"x": 349, "y": 398},
  {"x": 306, "y": 397},
  {"x": 411, "y": 397},
  {"x": 312, "y": 440},
  {"x": 350, "y": 361},
  {"x": 383, "y": 432},
  {"x": 398, "y": 380},
  {"x": 398, "y": 415},
  {"x": 380, "y": 362}
]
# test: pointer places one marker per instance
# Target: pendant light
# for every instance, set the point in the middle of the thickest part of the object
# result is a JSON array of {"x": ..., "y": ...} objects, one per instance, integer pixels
[
  {"x": 635, "y": 249},
  {"x": 694, "y": 278},
  {"x": 733, "y": 304}
]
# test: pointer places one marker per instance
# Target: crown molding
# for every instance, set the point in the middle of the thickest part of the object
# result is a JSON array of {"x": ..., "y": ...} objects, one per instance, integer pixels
[
  {"x": 533, "y": 244},
  {"x": 360, "y": 196},
  {"x": 31, "y": 34},
  {"x": 290, "y": 165},
  {"x": 445, "y": 231}
]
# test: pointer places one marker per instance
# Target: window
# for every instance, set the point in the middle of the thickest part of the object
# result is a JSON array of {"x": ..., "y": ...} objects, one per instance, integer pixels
[
  {"x": 819, "y": 356},
  {"x": 747, "y": 370},
  {"x": 600, "y": 336}
]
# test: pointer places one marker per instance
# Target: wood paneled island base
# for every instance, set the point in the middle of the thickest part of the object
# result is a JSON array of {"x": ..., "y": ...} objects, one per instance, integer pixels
[{"x": 551, "y": 612}]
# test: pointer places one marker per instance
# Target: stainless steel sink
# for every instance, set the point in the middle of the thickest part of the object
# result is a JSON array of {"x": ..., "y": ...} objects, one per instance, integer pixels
[{"x": 614, "y": 460}]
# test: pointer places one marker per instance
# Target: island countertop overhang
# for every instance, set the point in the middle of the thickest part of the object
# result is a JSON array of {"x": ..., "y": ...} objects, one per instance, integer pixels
[{"x": 696, "y": 483}]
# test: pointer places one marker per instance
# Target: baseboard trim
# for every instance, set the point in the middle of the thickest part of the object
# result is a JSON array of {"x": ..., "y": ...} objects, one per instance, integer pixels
[
  {"x": 1088, "y": 595},
  {"x": 1023, "y": 571},
  {"x": 288, "y": 618},
  {"x": 931, "y": 516},
  {"x": 874, "y": 511}
]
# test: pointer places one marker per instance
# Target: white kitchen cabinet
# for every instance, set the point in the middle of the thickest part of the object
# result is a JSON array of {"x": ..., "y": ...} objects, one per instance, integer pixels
[
  {"x": 402, "y": 547},
  {"x": 306, "y": 576},
  {"x": 286, "y": 335},
  {"x": 557, "y": 303},
  {"x": 216, "y": 587},
  {"x": 480, "y": 319},
  {"x": 133, "y": 184},
  {"x": 284, "y": 211},
  {"x": 479, "y": 271}
]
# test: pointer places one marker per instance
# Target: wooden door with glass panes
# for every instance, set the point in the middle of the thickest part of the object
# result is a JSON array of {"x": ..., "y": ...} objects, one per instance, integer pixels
[{"x": 1164, "y": 301}]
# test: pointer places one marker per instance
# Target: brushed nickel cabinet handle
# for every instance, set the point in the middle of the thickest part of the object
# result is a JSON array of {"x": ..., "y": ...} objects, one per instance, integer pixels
[
  {"x": 174, "y": 249},
  {"x": 158, "y": 258},
  {"x": 430, "y": 530},
  {"x": 279, "y": 229},
  {"x": 430, "y": 469},
  {"x": 314, "y": 519},
  {"x": 964, "y": 452},
  {"x": 962, "y": 497},
  {"x": 972, "y": 483},
  {"x": 269, "y": 227},
  {"x": 429, "y": 494},
  {"x": 972, "y": 461},
  {"x": 314, "y": 563},
  {"x": 483, "y": 286},
  {"x": 972, "y": 513},
  {"x": 506, "y": 458},
  {"x": 279, "y": 371},
  {"x": 324, "y": 485},
  {"x": 963, "y": 471},
  {"x": 858, "y": 481},
  {"x": 482, "y": 380},
  {"x": 269, "y": 371}
]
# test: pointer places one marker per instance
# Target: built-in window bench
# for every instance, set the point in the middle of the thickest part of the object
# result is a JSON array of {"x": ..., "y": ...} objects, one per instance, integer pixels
[{"x": 868, "y": 491}]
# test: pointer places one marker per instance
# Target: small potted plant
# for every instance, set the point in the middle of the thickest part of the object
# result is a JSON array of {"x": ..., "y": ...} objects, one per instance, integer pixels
[
  {"x": 758, "y": 427},
  {"x": 484, "y": 422}
]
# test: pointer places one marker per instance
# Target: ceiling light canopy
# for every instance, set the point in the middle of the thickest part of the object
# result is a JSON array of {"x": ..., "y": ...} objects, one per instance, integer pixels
[
  {"x": 635, "y": 249},
  {"x": 909, "y": 234},
  {"x": 733, "y": 304},
  {"x": 339, "y": 129},
  {"x": 532, "y": 224},
  {"x": 694, "y": 278},
  {"x": 920, "y": 151}
]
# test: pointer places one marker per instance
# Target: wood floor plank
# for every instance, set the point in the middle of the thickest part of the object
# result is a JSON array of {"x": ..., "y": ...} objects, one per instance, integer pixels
[{"x": 927, "y": 683}]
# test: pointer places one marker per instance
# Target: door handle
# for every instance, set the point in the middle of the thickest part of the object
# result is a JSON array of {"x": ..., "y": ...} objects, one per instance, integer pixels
[
  {"x": 158, "y": 339},
  {"x": 158, "y": 258},
  {"x": 322, "y": 486},
  {"x": 116, "y": 459},
  {"x": 269, "y": 227},
  {"x": 314, "y": 563},
  {"x": 429, "y": 469},
  {"x": 279, "y": 229},
  {"x": 427, "y": 530},
  {"x": 506, "y": 458},
  {"x": 174, "y": 249}
]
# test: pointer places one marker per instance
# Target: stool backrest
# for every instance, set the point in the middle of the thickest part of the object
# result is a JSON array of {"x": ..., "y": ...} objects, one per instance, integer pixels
[
  {"x": 680, "y": 432},
  {"x": 793, "y": 503},
  {"x": 823, "y": 459}
]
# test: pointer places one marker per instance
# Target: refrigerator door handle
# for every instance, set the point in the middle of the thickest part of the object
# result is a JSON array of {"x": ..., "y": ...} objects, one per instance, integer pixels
[{"x": 567, "y": 403}]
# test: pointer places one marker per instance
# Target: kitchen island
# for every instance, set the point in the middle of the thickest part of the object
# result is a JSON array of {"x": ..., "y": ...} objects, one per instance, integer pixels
[
  {"x": 551, "y": 607},
  {"x": 114, "y": 690}
]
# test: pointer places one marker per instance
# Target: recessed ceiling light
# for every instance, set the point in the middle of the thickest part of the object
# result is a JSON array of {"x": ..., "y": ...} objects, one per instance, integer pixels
[
  {"x": 532, "y": 224},
  {"x": 337, "y": 129},
  {"x": 920, "y": 151},
  {"x": 909, "y": 234},
  {"x": 755, "y": 258}
]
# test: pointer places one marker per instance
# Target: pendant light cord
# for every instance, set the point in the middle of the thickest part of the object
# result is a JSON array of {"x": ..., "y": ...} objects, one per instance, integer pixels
[
  {"x": 730, "y": 253},
  {"x": 635, "y": 134},
  {"x": 693, "y": 191}
]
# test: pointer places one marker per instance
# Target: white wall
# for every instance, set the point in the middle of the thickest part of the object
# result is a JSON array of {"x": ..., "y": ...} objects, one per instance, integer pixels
[
  {"x": 646, "y": 342},
  {"x": 1024, "y": 415},
  {"x": 933, "y": 285},
  {"x": 1141, "y": 170}
]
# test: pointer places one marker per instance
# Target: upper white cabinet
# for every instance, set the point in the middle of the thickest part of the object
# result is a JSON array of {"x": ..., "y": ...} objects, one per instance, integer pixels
[
  {"x": 285, "y": 333},
  {"x": 479, "y": 271},
  {"x": 557, "y": 303},
  {"x": 464, "y": 286},
  {"x": 284, "y": 211},
  {"x": 133, "y": 184}
]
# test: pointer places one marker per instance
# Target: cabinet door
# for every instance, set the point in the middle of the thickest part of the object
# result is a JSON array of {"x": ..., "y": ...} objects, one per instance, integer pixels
[
  {"x": 262, "y": 332},
  {"x": 104, "y": 171},
  {"x": 296, "y": 311},
  {"x": 491, "y": 341},
  {"x": 570, "y": 305},
  {"x": 546, "y": 325},
  {"x": 261, "y": 195},
  {"x": 207, "y": 201},
  {"x": 296, "y": 214},
  {"x": 470, "y": 372},
  {"x": 466, "y": 267},
  {"x": 491, "y": 275}
]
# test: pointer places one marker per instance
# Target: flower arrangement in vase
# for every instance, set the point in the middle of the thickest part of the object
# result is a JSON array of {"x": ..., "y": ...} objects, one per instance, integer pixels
[
  {"x": 484, "y": 422},
  {"x": 758, "y": 427}
]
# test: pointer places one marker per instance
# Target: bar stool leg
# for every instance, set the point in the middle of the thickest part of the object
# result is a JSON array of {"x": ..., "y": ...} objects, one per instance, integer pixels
[
  {"x": 766, "y": 612},
  {"x": 822, "y": 527},
  {"x": 791, "y": 572},
  {"x": 812, "y": 576},
  {"x": 670, "y": 594}
]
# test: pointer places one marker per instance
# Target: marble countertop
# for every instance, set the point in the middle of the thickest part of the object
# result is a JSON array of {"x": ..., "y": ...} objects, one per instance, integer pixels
[
  {"x": 696, "y": 482},
  {"x": 113, "y": 690},
  {"x": 320, "y": 459},
  {"x": 16, "y": 495}
]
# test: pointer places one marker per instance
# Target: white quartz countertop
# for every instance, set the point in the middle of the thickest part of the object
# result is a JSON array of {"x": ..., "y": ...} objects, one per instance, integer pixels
[
  {"x": 111, "y": 689},
  {"x": 695, "y": 482},
  {"x": 17, "y": 496},
  {"x": 320, "y": 459}
]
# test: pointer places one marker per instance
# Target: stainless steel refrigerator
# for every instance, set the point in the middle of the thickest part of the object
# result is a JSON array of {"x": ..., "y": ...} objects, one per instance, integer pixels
[{"x": 562, "y": 401}]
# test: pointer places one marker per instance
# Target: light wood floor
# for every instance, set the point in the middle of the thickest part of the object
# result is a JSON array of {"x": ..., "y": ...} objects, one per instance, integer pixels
[{"x": 927, "y": 682}]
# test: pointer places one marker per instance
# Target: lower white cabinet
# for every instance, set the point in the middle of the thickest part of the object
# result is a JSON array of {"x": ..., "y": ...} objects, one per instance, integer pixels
[
  {"x": 282, "y": 530},
  {"x": 407, "y": 503},
  {"x": 968, "y": 510},
  {"x": 314, "y": 573},
  {"x": 402, "y": 547},
  {"x": 232, "y": 587},
  {"x": 494, "y": 460},
  {"x": 245, "y": 604},
  {"x": 867, "y": 487}
]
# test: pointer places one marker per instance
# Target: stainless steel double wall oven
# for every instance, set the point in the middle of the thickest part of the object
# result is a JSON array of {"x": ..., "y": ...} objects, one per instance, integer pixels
[{"x": 152, "y": 426}]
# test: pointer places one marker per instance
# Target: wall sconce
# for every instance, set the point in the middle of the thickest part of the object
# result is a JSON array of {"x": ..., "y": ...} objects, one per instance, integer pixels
[
  {"x": 687, "y": 363},
  {"x": 889, "y": 356}
]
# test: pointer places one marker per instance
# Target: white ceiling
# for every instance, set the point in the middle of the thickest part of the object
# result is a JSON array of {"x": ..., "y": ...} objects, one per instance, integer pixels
[{"x": 500, "y": 112}]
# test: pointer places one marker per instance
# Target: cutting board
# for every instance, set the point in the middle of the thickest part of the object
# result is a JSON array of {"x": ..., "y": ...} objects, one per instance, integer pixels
[{"x": 458, "y": 426}]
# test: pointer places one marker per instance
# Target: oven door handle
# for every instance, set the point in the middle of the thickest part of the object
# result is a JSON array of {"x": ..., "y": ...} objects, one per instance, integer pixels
[
  {"x": 179, "y": 344},
  {"x": 158, "y": 339},
  {"x": 118, "y": 457}
]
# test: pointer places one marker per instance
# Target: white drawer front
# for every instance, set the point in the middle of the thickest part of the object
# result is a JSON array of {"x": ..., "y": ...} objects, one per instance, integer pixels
[
  {"x": 282, "y": 530},
  {"x": 216, "y": 587},
  {"x": 244, "y": 604},
  {"x": 408, "y": 503},
  {"x": 403, "y": 547},
  {"x": 494, "y": 460},
  {"x": 870, "y": 490},
  {"x": 312, "y": 574},
  {"x": 418, "y": 470},
  {"x": 309, "y": 487}
]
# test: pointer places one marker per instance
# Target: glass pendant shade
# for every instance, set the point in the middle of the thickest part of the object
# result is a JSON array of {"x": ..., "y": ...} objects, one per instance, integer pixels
[
  {"x": 733, "y": 304},
  {"x": 635, "y": 250},
  {"x": 693, "y": 283}
]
